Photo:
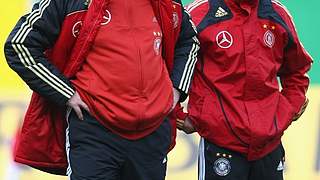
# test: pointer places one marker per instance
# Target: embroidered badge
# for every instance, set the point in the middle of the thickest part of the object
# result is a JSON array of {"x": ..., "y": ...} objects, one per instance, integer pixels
[
  {"x": 76, "y": 29},
  {"x": 224, "y": 39},
  {"x": 157, "y": 42},
  {"x": 222, "y": 166},
  {"x": 269, "y": 39}
]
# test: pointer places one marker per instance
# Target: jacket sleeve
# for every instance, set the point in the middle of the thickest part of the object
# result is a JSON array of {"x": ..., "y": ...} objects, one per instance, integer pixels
[
  {"x": 293, "y": 73},
  {"x": 185, "y": 56},
  {"x": 25, "y": 47}
]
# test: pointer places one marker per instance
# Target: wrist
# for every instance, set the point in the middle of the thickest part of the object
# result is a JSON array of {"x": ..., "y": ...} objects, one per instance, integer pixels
[{"x": 176, "y": 95}]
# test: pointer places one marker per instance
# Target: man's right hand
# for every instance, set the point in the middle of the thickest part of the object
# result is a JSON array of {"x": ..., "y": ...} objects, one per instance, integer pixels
[{"x": 76, "y": 104}]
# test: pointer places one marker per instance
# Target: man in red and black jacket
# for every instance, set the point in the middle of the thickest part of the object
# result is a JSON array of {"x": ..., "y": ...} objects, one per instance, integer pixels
[
  {"x": 236, "y": 104},
  {"x": 120, "y": 66}
]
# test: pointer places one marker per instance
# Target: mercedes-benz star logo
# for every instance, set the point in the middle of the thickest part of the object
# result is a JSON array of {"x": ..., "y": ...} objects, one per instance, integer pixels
[{"x": 224, "y": 39}]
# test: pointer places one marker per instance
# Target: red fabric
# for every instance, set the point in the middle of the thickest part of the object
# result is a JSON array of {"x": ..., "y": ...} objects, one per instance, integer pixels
[
  {"x": 41, "y": 143},
  {"x": 125, "y": 81},
  {"x": 235, "y": 101},
  {"x": 178, "y": 113}
]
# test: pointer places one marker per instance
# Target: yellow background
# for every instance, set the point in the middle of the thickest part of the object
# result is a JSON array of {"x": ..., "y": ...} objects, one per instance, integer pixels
[{"x": 301, "y": 140}]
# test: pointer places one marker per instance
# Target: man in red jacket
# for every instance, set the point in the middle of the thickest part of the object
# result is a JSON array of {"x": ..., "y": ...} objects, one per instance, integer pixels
[
  {"x": 119, "y": 67},
  {"x": 235, "y": 103}
]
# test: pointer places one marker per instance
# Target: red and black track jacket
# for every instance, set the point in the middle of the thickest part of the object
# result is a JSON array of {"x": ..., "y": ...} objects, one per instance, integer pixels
[
  {"x": 235, "y": 100},
  {"x": 47, "y": 47}
]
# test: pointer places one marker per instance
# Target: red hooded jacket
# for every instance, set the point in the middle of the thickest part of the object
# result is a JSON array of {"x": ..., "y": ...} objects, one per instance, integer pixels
[
  {"x": 65, "y": 30},
  {"x": 235, "y": 100}
]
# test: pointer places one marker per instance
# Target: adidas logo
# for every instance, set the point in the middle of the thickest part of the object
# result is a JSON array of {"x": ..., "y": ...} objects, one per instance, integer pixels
[
  {"x": 221, "y": 12},
  {"x": 164, "y": 160},
  {"x": 280, "y": 166}
]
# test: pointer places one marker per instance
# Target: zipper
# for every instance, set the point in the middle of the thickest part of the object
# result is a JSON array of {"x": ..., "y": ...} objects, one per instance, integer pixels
[
  {"x": 129, "y": 10},
  {"x": 227, "y": 119},
  {"x": 223, "y": 111},
  {"x": 131, "y": 29}
]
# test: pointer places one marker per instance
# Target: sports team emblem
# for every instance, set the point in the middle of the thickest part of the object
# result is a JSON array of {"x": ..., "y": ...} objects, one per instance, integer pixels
[
  {"x": 157, "y": 42},
  {"x": 106, "y": 18},
  {"x": 175, "y": 20},
  {"x": 222, "y": 167},
  {"x": 76, "y": 29},
  {"x": 269, "y": 39},
  {"x": 224, "y": 39}
]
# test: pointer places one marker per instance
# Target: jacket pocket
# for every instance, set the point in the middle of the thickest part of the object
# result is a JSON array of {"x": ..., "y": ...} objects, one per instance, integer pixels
[{"x": 284, "y": 114}]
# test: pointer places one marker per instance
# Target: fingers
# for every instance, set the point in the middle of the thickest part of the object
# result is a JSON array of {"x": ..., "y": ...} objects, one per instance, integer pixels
[
  {"x": 185, "y": 126},
  {"x": 77, "y": 104},
  {"x": 180, "y": 121},
  {"x": 305, "y": 105},
  {"x": 77, "y": 108},
  {"x": 78, "y": 111},
  {"x": 188, "y": 126},
  {"x": 84, "y": 106},
  {"x": 180, "y": 124},
  {"x": 303, "y": 108}
]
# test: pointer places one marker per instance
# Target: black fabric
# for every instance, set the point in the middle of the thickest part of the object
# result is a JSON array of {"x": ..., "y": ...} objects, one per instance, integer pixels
[
  {"x": 210, "y": 18},
  {"x": 26, "y": 55},
  {"x": 183, "y": 49},
  {"x": 98, "y": 154},
  {"x": 265, "y": 11},
  {"x": 265, "y": 168}
]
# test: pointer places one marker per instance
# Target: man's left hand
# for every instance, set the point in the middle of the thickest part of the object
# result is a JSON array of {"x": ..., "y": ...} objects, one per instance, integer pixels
[{"x": 186, "y": 126}]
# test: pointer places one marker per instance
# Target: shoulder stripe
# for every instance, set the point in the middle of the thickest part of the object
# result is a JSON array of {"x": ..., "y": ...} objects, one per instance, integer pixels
[
  {"x": 195, "y": 4},
  {"x": 280, "y": 5},
  {"x": 174, "y": 2},
  {"x": 192, "y": 3},
  {"x": 28, "y": 61},
  {"x": 277, "y": 3},
  {"x": 28, "y": 23}
]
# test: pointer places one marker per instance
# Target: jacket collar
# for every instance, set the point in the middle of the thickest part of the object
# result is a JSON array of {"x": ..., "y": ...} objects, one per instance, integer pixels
[{"x": 249, "y": 2}]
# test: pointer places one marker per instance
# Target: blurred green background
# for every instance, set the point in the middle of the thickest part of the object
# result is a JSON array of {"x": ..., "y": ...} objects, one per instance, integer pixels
[{"x": 301, "y": 140}]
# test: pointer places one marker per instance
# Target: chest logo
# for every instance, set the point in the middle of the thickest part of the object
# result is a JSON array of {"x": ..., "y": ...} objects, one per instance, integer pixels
[
  {"x": 269, "y": 39},
  {"x": 221, "y": 12},
  {"x": 157, "y": 42},
  {"x": 76, "y": 29},
  {"x": 224, "y": 39},
  {"x": 106, "y": 18}
]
